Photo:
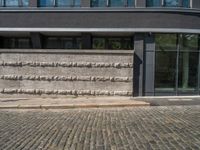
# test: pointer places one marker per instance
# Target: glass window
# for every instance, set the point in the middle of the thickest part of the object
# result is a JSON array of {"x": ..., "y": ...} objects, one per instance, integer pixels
[
  {"x": 46, "y": 3},
  {"x": 23, "y": 43},
  {"x": 25, "y": 2},
  {"x": 52, "y": 42},
  {"x": 114, "y": 43},
  {"x": 186, "y": 3},
  {"x": 117, "y": 3},
  {"x": 130, "y": 3},
  {"x": 171, "y": 3},
  {"x": 188, "y": 42},
  {"x": 63, "y": 3},
  {"x": 77, "y": 3},
  {"x": 99, "y": 43},
  {"x": 99, "y": 3},
  {"x": 166, "y": 42},
  {"x": 1, "y": 2},
  {"x": 153, "y": 3},
  {"x": 11, "y": 3}
]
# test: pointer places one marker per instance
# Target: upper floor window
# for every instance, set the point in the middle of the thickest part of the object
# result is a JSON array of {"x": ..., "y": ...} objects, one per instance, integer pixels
[
  {"x": 59, "y": 3},
  {"x": 14, "y": 3},
  {"x": 112, "y": 3},
  {"x": 168, "y": 3}
]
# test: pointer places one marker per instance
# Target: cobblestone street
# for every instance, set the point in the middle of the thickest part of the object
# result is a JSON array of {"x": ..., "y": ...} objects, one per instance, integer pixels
[{"x": 163, "y": 128}]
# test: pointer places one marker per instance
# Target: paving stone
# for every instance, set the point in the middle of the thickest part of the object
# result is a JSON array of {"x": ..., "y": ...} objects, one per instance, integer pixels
[{"x": 148, "y": 128}]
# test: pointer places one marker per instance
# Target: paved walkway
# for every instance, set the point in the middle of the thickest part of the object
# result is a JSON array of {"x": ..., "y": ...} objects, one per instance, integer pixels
[
  {"x": 138, "y": 128},
  {"x": 69, "y": 102}
]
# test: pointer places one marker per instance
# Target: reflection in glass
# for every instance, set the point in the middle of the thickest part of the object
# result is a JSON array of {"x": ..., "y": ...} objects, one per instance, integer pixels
[
  {"x": 188, "y": 71},
  {"x": 186, "y": 3},
  {"x": 117, "y": 3},
  {"x": 165, "y": 73},
  {"x": 188, "y": 42},
  {"x": 130, "y": 3},
  {"x": 25, "y": 2},
  {"x": 63, "y": 2},
  {"x": 114, "y": 43},
  {"x": 99, "y": 3},
  {"x": 99, "y": 43},
  {"x": 46, "y": 3},
  {"x": 166, "y": 42},
  {"x": 11, "y": 3},
  {"x": 77, "y": 3},
  {"x": 153, "y": 3},
  {"x": 171, "y": 3}
]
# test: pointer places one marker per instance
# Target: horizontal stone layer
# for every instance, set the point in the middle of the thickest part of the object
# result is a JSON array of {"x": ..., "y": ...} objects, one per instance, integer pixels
[
  {"x": 65, "y": 92},
  {"x": 68, "y": 64},
  {"x": 65, "y": 78}
]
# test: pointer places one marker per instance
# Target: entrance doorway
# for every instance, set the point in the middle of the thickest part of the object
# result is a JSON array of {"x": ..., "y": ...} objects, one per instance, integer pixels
[{"x": 177, "y": 68}]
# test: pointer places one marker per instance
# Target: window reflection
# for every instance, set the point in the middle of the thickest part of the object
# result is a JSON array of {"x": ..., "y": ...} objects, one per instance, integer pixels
[
  {"x": 171, "y": 3},
  {"x": 112, "y": 3},
  {"x": 59, "y": 3},
  {"x": 11, "y": 3},
  {"x": 168, "y": 3}
]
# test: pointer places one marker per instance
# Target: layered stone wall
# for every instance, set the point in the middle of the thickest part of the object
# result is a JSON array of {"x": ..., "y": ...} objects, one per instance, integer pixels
[{"x": 58, "y": 73}]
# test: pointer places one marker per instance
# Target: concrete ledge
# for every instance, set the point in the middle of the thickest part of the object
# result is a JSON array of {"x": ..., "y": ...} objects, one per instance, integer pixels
[{"x": 70, "y": 103}]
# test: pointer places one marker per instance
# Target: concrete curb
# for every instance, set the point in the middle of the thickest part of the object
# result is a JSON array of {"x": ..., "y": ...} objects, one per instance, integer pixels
[{"x": 72, "y": 106}]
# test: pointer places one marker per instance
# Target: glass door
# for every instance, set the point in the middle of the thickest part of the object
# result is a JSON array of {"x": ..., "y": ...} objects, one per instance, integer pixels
[{"x": 177, "y": 64}]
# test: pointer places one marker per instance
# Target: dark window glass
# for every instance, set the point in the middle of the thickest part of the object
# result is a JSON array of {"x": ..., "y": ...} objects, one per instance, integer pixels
[
  {"x": 115, "y": 43},
  {"x": 171, "y": 3},
  {"x": 23, "y": 43},
  {"x": 165, "y": 73},
  {"x": 99, "y": 3},
  {"x": 188, "y": 71},
  {"x": 153, "y": 3},
  {"x": 99, "y": 43},
  {"x": 186, "y": 3},
  {"x": 46, "y": 3},
  {"x": 117, "y": 3},
  {"x": 130, "y": 3},
  {"x": 188, "y": 42},
  {"x": 17, "y": 43},
  {"x": 166, "y": 42},
  {"x": 62, "y": 43}
]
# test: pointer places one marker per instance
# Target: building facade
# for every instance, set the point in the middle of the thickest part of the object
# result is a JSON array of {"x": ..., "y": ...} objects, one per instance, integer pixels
[{"x": 99, "y": 47}]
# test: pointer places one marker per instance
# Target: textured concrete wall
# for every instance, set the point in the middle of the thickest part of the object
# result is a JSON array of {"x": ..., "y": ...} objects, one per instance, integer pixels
[{"x": 65, "y": 74}]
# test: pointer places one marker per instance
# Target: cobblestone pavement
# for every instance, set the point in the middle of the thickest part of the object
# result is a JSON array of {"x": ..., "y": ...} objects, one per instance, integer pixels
[{"x": 163, "y": 128}]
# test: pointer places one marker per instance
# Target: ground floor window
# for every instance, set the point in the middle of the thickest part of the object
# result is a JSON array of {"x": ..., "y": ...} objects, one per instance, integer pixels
[
  {"x": 14, "y": 3},
  {"x": 177, "y": 63},
  {"x": 115, "y": 43},
  {"x": 16, "y": 43}
]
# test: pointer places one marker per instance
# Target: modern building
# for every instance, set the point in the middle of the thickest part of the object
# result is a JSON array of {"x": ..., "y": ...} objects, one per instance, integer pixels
[{"x": 99, "y": 47}]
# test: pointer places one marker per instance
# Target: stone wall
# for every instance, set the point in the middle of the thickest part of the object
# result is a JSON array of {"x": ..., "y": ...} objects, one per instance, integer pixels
[{"x": 62, "y": 72}]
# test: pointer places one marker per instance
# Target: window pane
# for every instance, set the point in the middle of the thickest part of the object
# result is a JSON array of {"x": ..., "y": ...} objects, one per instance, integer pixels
[
  {"x": 186, "y": 3},
  {"x": 25, "y": 2},
  {"x": 153, "y": 3},
  {"x": 188, "y": 71},
  {"x": 98, "y": 3},
  {"x": 188, "y": 42},
  {"x": 67, "y": 43},
  {"x": 53, "y": 43},
  {"x": 23, "y": 43},
  {"x": 99, "y": 43},
  {"x": 115, "y": 43},
  {"x": 165, "y": 73},
  {"x": 78, "y": 43},
  {"x": 11, "y": 3},
  {"x": 166, "y": 42},
  {"x": 1, "y": 2},
  {"x": 127, "y": 44},
  {"x": 116, "y": 3},
  {"x": 77, "y": 3},
  {"x": 63, "y": 2},
  {"x": 131, "y": 3},
  {"x": 171, "y": 3},
  {"x": 46, "y": 3}
]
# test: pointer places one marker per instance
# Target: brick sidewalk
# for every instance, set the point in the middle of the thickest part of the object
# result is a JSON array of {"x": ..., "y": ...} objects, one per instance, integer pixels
[{"x": 139, "y": 128}]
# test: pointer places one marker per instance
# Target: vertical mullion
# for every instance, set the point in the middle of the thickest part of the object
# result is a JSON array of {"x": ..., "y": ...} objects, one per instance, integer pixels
[
  {"x": 177, "y": 63},
  {"x": 198, "y": 86}
]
